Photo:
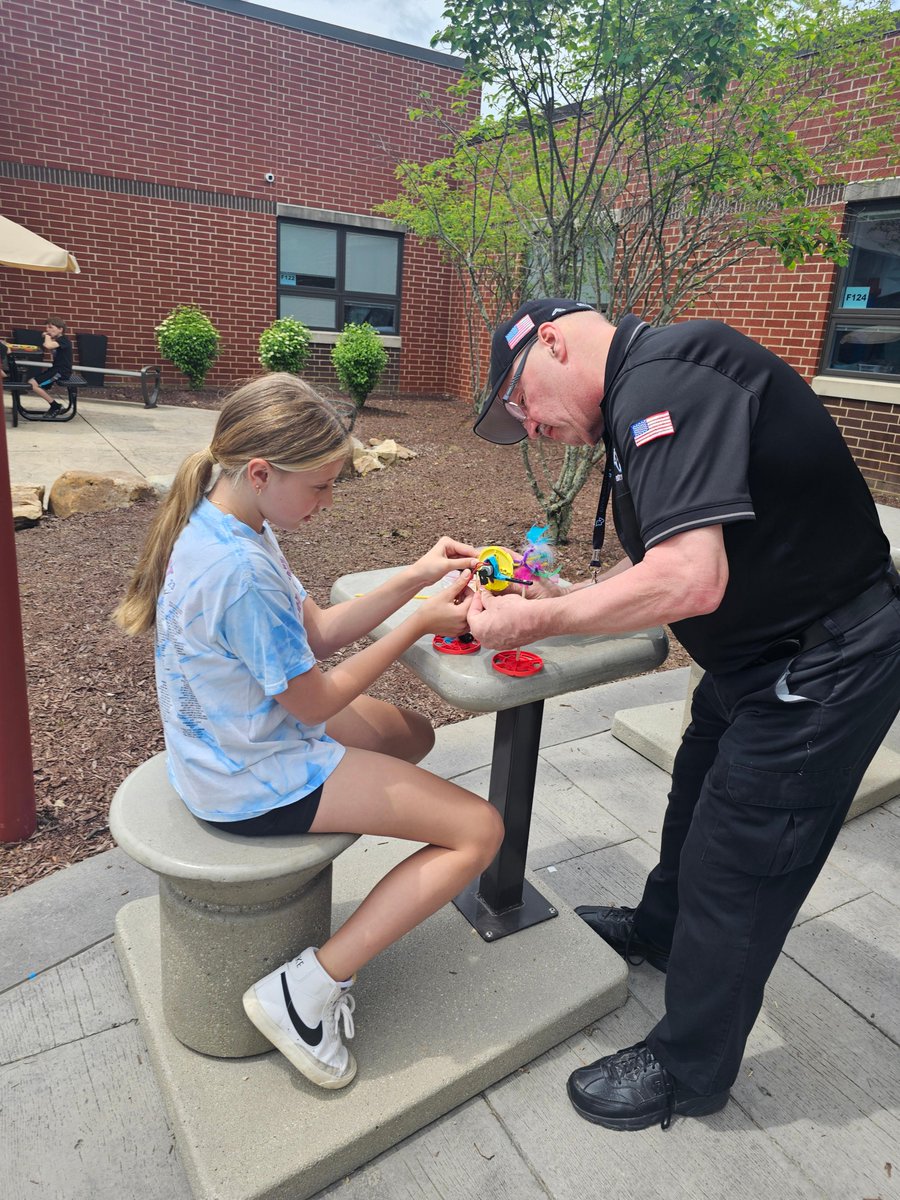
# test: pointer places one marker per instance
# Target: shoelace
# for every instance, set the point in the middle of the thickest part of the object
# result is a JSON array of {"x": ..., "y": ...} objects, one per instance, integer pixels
[
  {"x": 637, "y": 1060},
  {"x": 634, "y": 962},
  {"x": 340, "y": 1011},
  {"x": 632, "y": 1062}
]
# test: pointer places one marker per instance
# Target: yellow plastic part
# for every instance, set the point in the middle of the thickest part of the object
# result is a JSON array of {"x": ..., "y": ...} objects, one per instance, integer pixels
[{"x": 504, "y": 564}]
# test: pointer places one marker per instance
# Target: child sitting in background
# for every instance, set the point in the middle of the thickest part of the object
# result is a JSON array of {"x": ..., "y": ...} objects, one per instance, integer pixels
[{"x": 60, "y": 368}]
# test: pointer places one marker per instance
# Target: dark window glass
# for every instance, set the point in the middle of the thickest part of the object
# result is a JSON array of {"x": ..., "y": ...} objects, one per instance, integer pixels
[
  {"x": 333, "y": 275},
  {"x": 379, "y": 316},
  {"x": 864, "y": 330}
]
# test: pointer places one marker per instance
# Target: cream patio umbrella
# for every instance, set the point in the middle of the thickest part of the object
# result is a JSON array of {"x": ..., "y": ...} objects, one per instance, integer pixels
[{"x": 19, "y": 247}]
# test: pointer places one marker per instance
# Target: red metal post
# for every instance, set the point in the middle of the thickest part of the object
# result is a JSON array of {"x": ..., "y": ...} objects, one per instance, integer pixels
[{"x": 18, "y": 818}]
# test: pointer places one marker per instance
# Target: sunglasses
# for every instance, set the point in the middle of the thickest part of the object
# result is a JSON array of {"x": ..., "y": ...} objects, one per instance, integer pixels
[{"x": 516, "y": 410}]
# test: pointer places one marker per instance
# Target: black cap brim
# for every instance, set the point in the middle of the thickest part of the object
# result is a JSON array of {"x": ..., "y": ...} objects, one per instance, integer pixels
[{"x": 495, "y": 424}]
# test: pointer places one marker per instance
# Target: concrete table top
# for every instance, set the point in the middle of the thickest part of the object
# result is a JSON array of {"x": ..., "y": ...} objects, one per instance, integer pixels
[{"x": 470, "y": 683}]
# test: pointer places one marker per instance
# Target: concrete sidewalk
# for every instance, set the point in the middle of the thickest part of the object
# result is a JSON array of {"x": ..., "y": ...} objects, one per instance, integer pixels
[
  {"x": 815, "y": 1112},
  {"x": 108, "y": 437}
]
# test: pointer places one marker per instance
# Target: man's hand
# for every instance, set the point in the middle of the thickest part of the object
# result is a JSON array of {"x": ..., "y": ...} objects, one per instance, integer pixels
[
  {"x": 500, "y": 621},
  {"x": 540, "y": 589}
]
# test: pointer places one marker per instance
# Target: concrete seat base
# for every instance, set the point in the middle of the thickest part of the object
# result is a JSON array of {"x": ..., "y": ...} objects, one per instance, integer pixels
[
  {"x": 231, "y": 909},
  {"x": 440, "y": 1016}
]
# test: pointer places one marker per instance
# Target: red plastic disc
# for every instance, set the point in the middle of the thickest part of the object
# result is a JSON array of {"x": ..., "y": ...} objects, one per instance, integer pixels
[
  {"x": 454, "y": 646},
  {"x": 517, "y": 663}
]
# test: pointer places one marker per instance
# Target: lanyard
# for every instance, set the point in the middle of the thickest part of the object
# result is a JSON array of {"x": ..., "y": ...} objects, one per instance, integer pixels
[
  {"x": 605, "y": 489},
  {"x": 608, "y": 472}
]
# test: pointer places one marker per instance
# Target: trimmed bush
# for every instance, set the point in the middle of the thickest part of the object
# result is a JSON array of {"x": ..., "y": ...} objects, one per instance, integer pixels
[
  {"x": 285, "y": 346},
  {"x": 190, "y": 341},
  {"x": 359, "y": 358}
]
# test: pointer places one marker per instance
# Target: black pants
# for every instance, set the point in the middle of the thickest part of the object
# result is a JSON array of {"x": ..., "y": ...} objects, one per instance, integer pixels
[{"x": 765, "y": 775}]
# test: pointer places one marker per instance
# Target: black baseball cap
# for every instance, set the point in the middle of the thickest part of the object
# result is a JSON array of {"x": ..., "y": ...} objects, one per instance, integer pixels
[{"x": 510, "y": 338}]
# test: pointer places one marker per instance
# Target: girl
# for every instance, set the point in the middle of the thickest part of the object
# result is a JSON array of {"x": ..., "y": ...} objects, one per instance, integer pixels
[{"x": 259, "y": 740}]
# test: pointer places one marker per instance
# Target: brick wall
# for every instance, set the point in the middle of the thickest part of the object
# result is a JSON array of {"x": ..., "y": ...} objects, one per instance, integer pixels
[
  {"x": 872, "y": 431},
  {"x": 146, "y": 158}
]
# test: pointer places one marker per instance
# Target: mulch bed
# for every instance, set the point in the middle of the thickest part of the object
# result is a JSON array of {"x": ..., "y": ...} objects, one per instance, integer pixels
[{"x": 91, "y": 689}]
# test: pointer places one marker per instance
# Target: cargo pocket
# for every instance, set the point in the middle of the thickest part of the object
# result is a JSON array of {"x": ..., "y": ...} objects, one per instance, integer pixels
[{"x": 770, "y": 823}]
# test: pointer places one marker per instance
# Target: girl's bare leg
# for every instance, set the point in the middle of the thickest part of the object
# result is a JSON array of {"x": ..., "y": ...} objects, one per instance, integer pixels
[
  {"x": 370, "y": 724},
  {"x": 373, "y": 793}
]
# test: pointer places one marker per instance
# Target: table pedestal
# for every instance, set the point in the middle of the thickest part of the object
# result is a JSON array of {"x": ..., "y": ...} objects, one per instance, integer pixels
[{"x": 501, "y": 901}]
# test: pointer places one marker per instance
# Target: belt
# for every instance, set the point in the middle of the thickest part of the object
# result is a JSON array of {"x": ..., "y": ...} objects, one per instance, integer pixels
[{"x": 840, "y": 620}]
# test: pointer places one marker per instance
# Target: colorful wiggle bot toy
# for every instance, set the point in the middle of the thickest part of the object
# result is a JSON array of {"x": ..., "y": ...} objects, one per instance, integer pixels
[{"x": 497, "y": 569}]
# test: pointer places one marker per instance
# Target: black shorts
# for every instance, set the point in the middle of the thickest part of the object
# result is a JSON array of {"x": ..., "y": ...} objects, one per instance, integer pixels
[
  {"x": 288, "y": 819},
  {"x": 49, "y": 381}
]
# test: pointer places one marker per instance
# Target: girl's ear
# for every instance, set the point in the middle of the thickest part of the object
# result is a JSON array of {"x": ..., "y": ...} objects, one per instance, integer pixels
[{"x": 258, "y": 471}]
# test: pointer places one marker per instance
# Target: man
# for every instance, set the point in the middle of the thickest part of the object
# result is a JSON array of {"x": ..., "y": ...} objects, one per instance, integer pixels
[{"x": 750, "y": 531}]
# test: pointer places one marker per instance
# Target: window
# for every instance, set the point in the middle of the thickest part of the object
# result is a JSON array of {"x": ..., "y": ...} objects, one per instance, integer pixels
[
  {"x": 864, "y": 330},
  {"x": 333, "y": 275}
]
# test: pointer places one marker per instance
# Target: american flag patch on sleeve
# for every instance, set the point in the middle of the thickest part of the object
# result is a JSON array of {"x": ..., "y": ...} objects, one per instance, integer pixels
[
  {"x": 518, "y": 331},
  {"x": 657, "y": 426}
]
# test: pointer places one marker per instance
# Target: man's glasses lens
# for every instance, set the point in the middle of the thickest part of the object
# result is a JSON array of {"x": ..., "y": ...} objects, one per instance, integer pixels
[{"x": 516, "y": 410}]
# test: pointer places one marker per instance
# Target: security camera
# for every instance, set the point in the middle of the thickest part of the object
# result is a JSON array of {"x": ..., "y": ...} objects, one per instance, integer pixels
[{"x": 269, "y": 177}]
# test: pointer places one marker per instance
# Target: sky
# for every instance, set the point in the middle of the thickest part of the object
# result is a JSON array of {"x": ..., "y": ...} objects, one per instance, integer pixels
[{"x": 411, "y": 21}]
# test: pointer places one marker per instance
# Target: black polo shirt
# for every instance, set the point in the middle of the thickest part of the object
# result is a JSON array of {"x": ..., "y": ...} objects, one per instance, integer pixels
[{"x": 710, "y": 428}]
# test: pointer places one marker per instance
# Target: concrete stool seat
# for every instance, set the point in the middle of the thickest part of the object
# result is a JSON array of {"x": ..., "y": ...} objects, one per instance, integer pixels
[{"x": 231, "y": 908}]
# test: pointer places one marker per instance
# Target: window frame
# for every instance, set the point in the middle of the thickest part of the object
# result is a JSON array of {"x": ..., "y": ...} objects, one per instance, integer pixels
[
  {"x": 857, "y": 317},
  {"x": 343, "y": 297}
]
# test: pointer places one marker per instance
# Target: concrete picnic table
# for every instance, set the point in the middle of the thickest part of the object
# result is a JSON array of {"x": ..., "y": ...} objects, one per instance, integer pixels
[{"x": 502, "y": 901}]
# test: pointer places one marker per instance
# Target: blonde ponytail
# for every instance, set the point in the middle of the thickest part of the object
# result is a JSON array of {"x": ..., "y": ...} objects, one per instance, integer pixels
[{"x": 137, "y": 611}]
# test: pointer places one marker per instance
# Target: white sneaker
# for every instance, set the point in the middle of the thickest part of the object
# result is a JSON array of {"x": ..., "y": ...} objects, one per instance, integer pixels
[{"x": 299, "y": 1008}]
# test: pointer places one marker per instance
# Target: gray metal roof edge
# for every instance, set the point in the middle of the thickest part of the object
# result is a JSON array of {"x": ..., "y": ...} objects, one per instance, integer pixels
[{"x": 355, "y": 37}]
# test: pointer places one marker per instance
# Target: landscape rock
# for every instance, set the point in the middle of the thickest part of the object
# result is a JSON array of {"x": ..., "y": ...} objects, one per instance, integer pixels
[
  {"x": 27, "y": 504},
  {"x": 364, "y": 463},
  {"x": 378, "y": 453},
  {"x": 86, "y": 492}
]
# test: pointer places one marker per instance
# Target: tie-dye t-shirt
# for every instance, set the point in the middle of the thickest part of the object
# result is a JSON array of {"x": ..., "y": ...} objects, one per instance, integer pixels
[{"x": 229, "y": 637}]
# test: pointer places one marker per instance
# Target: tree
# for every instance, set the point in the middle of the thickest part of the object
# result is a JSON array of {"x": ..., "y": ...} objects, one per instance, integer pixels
[{"x": 638, "y": 149}]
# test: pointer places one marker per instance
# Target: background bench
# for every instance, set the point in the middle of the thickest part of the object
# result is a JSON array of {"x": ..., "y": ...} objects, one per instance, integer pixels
[
  {"x": 150, "y": 377},
  {"x": 20, "y": 389}
]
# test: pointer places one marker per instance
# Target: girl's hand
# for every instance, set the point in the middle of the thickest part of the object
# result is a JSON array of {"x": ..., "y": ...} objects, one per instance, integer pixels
[
  {"x": 444, "y": 556},
  {"x": 446, "y": 612}
]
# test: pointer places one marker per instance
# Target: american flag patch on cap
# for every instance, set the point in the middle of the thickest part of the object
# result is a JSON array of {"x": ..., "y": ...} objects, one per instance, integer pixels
[
  {"x": 519, "y": 331},
  {"x": 657, "y": 426}
]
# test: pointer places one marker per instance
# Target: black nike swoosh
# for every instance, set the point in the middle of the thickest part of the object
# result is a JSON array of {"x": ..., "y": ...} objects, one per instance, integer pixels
[{"x": 312, "y": 1037}]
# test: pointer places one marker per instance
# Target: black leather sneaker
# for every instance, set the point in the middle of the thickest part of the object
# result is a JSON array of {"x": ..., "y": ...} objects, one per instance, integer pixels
[
  {"x": 616, "y": 927},
  {"x": 631, "y": 1089}
]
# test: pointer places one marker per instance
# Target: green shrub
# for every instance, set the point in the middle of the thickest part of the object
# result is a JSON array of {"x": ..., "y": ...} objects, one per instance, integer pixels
[
  {"x": 285, "y": 346},
  {"x": 190, "y": 341},
  {"x": 359, "y": 358}
]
